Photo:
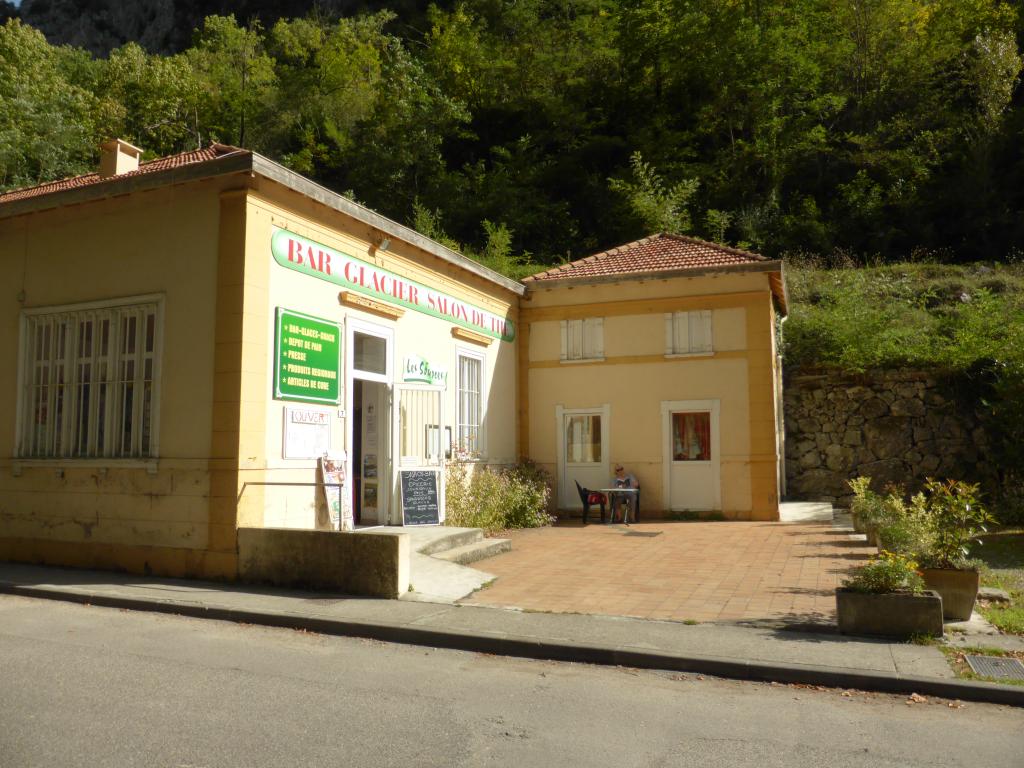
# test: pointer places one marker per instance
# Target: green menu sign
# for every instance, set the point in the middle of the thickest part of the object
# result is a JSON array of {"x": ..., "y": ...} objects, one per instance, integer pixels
[{"x": 307, "y": 358}]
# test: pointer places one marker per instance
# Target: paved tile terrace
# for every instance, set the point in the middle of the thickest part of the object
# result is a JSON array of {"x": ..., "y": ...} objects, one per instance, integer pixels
[{"x": 700, "y": 571}]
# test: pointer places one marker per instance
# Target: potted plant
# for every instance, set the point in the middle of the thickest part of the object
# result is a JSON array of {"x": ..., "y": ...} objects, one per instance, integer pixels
[
  {"x": 871, "y": 512},
  {"x": 908, "y": 529},
  {"x": 887, "y": 597},
  {"x": 863, "y": 497},
  {"x": 957, "y": 518}
]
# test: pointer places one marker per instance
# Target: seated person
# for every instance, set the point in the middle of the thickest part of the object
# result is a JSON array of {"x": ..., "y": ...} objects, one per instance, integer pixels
[{"x": 622, "y": 479}]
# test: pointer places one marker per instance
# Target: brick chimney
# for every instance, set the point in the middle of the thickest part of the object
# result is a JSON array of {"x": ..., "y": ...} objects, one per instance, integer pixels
[{"x": 118, "y": 156}]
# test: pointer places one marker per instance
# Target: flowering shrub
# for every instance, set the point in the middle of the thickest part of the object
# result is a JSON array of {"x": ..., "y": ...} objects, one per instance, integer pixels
[
  {"x": 902, "y": 526},
  {"x": 889, "y": 572},
  {"x": 957, "y": 517},
  {"x": 496, "y": 498}
]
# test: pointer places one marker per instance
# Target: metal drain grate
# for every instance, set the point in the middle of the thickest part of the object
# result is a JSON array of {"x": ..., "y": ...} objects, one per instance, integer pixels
[{"x": 1002, "y": 667}]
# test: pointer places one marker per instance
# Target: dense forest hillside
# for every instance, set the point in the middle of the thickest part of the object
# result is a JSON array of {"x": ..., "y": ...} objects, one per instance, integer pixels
[
  {"x": 879, "y": 129},
  {"x": 165, "y": 26}
]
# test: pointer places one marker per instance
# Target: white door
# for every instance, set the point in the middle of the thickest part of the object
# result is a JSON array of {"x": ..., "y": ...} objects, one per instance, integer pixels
[
  {"x": 582, "y": 452},
  {"x": 368, "y": 358},
  {"x": 691, "y": 455},
  {"x": 421, "y": 438}
]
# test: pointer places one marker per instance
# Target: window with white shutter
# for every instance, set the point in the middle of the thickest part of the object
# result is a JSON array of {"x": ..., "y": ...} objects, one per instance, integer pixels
[
  {"x": 89, "y": 382},
  {"x": 583, "y": 339},
  {"x": 688, "y": 333}
]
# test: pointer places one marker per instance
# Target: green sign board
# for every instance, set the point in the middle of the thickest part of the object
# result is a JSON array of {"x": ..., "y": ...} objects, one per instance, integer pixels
[{"x": 307, "y": 359}]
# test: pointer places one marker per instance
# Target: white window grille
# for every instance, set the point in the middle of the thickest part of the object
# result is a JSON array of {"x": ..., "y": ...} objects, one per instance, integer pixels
[
  {"x": 583, "y": 339},
  {"x": 89, "y": 382},
  {"x": 688, "y": 333},
  {"x": 470, "y": 396}
]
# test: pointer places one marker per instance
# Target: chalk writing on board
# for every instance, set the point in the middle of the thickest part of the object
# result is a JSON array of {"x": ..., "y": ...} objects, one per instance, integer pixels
[{"x": 420, "y": 497}]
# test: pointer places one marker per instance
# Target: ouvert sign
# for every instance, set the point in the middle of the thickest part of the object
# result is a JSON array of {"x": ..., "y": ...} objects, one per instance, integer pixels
[{"x": 317, "y": 260}]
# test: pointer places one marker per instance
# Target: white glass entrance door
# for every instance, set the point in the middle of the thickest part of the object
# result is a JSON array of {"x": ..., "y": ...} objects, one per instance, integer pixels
[
  {"x": 583, "y": 452},
  {"x": 421, "y": 438},
  {"x": 691, "y": 455},
  {"x": 369, "y": 406}
]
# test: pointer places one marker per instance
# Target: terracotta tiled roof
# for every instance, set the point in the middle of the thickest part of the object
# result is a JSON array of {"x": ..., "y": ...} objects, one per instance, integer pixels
[
  {"x": 657, "y": 253},
  {"x": 211, "y": 152}
]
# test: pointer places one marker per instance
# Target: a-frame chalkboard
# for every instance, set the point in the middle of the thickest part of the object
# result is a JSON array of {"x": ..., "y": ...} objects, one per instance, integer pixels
[{"x": 420, "y": 504}]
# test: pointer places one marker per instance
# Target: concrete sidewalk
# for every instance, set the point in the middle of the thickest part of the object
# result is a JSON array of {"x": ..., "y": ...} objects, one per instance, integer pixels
[{"x": 725, "y": 650}]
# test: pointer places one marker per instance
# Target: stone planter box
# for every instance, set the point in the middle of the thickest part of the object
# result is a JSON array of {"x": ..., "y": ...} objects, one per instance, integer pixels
[
  {"x": 892, "y": 614},
  {"x": 858, "y": 526},
  {"x": 958, "y": 588}
]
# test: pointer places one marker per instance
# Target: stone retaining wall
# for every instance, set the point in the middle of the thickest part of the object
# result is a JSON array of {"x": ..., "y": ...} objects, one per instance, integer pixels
[
  {"x": 893, "y": 426},
  {"x": 373, "y": 563}
]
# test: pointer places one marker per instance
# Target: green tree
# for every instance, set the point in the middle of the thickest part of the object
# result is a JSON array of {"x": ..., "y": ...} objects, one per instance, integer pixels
[
  {"x": 661, "y": 208},
  {"x": 50, "y": 120},
  {"x": 157, "y": 99},
  {"x": 329, "y": 75},
  {"x": 237, "y": 82}
]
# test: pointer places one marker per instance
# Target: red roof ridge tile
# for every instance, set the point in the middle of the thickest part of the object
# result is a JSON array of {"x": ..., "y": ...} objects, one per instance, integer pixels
[
  {"x": 654, "y": 253},
  {"x": 717, "y": 246}
]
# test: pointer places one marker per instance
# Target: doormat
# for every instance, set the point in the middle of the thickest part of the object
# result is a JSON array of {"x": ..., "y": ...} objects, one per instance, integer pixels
[
  {"x": 642, "y": 533},
  {"x": 1002, "y": 667}
]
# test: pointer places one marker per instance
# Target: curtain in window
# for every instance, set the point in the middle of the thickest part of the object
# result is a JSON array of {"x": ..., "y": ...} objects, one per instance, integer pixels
[
  {"x": 583, "y": 439},
  {"x": 691, "y": 436}
]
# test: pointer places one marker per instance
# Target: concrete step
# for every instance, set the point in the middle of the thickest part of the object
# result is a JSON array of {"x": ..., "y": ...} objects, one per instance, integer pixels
[
  {"x": 433, "y": 580},
  {"x": 478, "y": 550},
  {"x": 442, "y": 539}
]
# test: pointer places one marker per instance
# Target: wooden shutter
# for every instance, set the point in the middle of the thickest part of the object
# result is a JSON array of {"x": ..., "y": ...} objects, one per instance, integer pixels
[{"x": 593, "y": 337}]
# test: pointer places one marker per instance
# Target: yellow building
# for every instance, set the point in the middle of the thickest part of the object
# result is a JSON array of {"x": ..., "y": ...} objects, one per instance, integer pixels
[
  {"x": 183, "y": 338},
  {"x": 659, "y": 355},
  {"x": 192, "y": 344}
]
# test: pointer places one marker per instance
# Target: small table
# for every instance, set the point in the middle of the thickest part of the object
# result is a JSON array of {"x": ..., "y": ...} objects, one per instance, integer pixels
[{"x": 610, "y": 493}]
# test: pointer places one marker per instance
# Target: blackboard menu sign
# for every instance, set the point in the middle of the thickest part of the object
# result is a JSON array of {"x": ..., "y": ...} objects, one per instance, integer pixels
[{"x": 419, "y": 497}]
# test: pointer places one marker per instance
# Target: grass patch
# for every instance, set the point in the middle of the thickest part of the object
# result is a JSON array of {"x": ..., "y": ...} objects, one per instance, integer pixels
[
  {"x": 1003, "y": 555},
  {"x": 957, "y": 660},
  {"x": 921, "y": 315}
]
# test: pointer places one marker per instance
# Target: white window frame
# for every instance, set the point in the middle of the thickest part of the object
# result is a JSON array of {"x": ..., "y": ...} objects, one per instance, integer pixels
[
  {"x": 480, "y": 357},
  {"x": 352, "y": 327},
  {"x": 565, "y": 491},
  {"x": 582, "y": 340},
  {"x": 680, "y": 343},
  {"x": 26, "y": 362}
]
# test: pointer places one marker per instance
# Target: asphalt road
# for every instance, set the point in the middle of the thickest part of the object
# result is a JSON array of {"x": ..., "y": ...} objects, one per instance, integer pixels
[{"x": 87, "y": 686}]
